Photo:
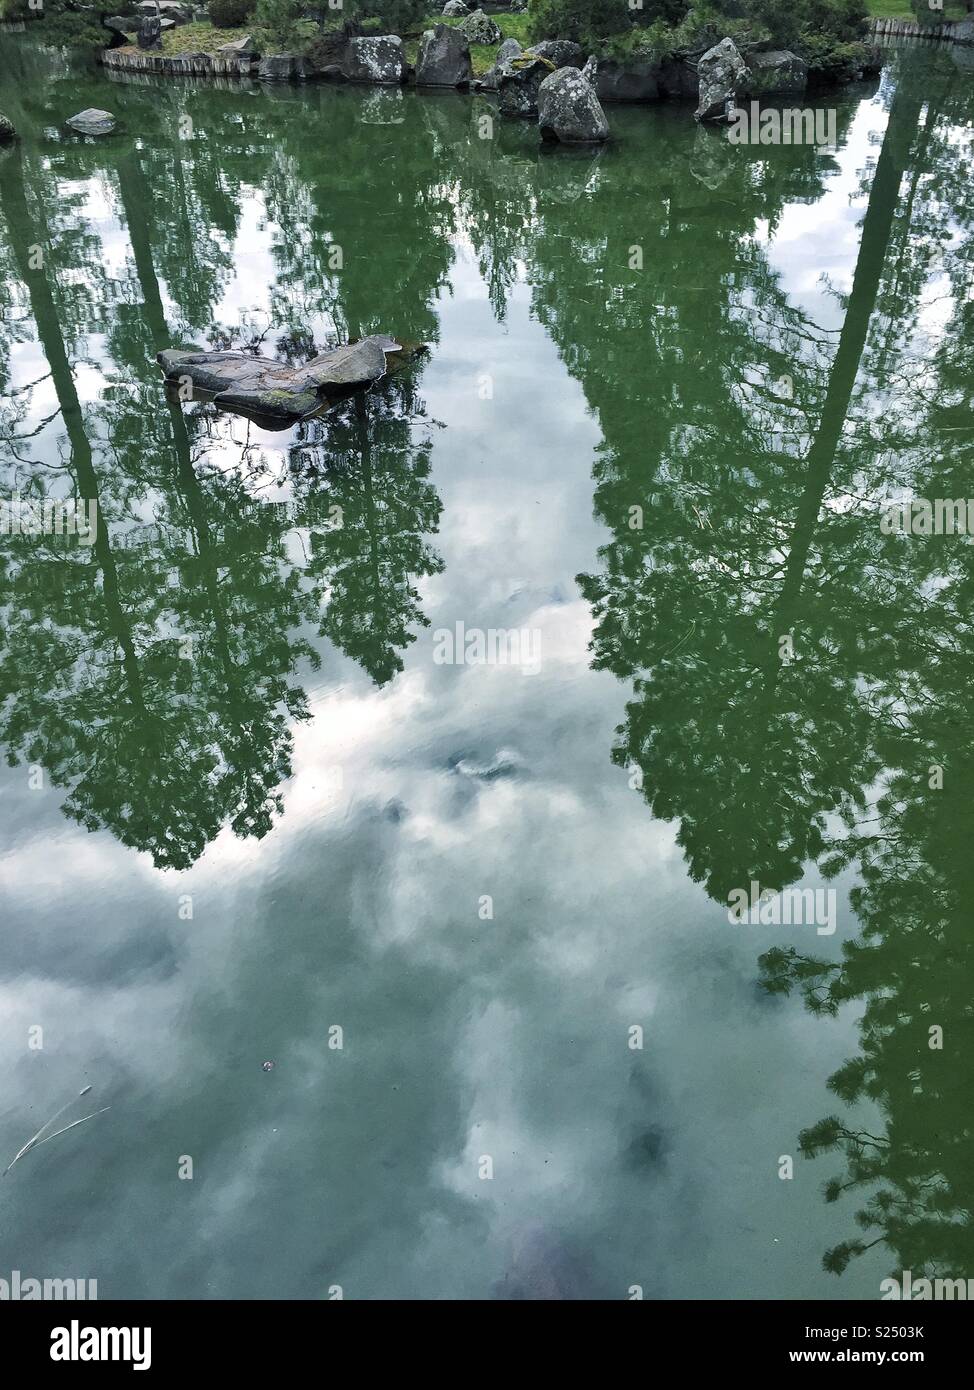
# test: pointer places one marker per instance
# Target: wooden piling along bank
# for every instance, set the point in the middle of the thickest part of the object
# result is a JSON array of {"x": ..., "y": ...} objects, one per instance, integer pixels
[
  {"x": 910, "y": 29},
  {"x": 183, "y": 65}
]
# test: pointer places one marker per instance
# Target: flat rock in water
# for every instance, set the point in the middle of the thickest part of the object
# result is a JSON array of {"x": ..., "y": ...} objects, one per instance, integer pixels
[
  {"x": 260, "y": 386},
  {"x": 92, "y": 122}
]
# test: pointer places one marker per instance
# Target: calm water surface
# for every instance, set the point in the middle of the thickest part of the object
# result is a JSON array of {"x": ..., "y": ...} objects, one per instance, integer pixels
[{"x": 668, "y": 388}]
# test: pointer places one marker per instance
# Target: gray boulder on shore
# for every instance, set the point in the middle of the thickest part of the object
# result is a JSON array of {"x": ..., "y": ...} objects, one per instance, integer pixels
[
  {"x": 777, "y": 72},
  {"x": 149, "y": 36},
  {"x": 260, "y": 386},
  {"x": 560, "y": 53},
  {"x": 520, "y": 83},
  {"x": 374, "y": 58},
  {"x": 122, "y": 24},
  {"x": 282, "y": 67},
  {"x": 453, "y": 9},
  {"x": 243, "y": 47},
  {"x": 480, "y": 28},
  {"x": 169, "y": 9},
  {"x": 569, "y": 110},
  {"x": 509, "y": 49},
  {"x": 92, "y": 121},
  {"x": 444, "y": 58},
  {"x": 722, "y": 73}
]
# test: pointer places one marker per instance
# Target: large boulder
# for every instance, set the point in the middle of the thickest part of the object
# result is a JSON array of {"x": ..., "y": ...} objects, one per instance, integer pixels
[
  {"x": 636, "y": 79},
  {"x": 7, "y": 131},
  {"x": 560, "y": 53},
  {"x": 508, "y": 50},
  {"x": 569, "y": 111},
  {"x": 775, "y": 73},
  {"x": 149, "y": 36},
  {"x": 519, "y": 85},
  {"x": 480, "y": 28},
  {"x": 325, "y": 56},
  {"x": 444, "y": 58},
  {"x": 678, "y": 79},
  {"x": 722, "y": 73},
  {"x": 377, "y": 58},
  {"x": 453, "y": 9},
  {"x": 121, "y": 24},
  {"x": 260, "y": 386},
  {"x": 282, "y": 67},
  {"x": 92, "y": 121}
]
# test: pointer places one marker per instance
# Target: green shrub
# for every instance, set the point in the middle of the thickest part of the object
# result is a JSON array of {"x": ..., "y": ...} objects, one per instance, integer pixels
[
  {"x": 278, "y": 22},
  {"x": 230, "y": 14},
  {"x": 582, "y": 21},
  {"x": 393, "y": 16}
]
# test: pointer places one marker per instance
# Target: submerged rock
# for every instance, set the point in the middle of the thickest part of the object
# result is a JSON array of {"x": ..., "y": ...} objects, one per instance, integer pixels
[
  {"x": 376, "y": 58},
  {"x": 7, "y": 131},
  {"x": 480, "y": 28},
  {"x": 92, "y": 122},
  {"x": 444, "y": 58},
  {"x": 722, "y": 73},
  {"x": 262, "y": 387},
  {"x": 569, "y": 111}
]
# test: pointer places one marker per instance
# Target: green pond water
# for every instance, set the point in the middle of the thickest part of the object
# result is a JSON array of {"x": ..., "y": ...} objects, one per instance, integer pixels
[{"x": 250, "y": 813}]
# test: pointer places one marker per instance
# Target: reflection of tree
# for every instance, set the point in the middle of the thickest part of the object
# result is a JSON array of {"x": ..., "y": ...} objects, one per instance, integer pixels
[
  {"x": 758, "y": 759},
  {"x": 154, "y": 676},
  {"x": 366, "y": 562}
]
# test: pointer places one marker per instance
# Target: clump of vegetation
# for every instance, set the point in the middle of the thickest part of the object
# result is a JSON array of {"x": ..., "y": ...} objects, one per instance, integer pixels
[
  {"x": 277, "y": 23},
  {"x": 827, "y": 33},
  {"x": 231, "y": 14},
  {"x": 62, "y": 27}
]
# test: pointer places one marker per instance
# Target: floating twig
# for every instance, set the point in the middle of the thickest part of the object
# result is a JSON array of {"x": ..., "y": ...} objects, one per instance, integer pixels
[{"x": 36, "y": 1139}]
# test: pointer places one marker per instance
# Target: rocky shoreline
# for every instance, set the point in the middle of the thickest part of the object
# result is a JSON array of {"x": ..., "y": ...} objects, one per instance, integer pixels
[{"x": 553, "y": 80}]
